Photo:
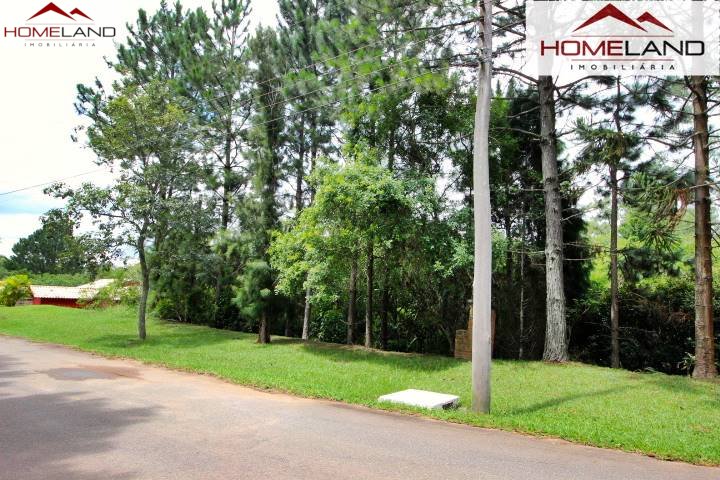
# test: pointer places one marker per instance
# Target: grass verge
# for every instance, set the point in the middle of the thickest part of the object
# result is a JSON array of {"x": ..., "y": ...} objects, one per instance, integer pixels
[{"x": 674, "y": 418}]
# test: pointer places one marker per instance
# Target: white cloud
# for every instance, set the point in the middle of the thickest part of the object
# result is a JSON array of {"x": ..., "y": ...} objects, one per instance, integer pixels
[{"x": 37, "y": 92}]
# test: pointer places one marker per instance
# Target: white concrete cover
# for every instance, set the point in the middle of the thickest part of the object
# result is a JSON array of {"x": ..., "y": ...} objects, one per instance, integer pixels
[{"x": 422, "y": 398}]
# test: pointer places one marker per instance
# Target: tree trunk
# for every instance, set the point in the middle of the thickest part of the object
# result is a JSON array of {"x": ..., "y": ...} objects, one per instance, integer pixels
[
  {"x": 521, "y": 349},
  {"x": 614, "y": 305},
  {"x": 556, "y": 349},
  {"x": 508, "y": 252},
  {"x": 384, "y": 306},
  {"x": 385, "y": 299},
  {"x": 482, "y": 272},
  {"x": 306, "y": 315},
  {"x": 352, "y": 314},
  {"x": 224, "y": 223},
  {"x": 704, "y": 336},
  {"x": 227, "y": 176},
  {"x": 300, "y": 172},
  {"x": 263, "y": 333},
  {"x": 142, "y": 308},
  {"x": 369, "y": 297},
  {"x": 308, "y": 291}
]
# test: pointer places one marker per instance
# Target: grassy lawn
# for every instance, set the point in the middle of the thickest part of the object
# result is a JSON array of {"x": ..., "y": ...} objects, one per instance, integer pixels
[{"x": 669, "y": 417}]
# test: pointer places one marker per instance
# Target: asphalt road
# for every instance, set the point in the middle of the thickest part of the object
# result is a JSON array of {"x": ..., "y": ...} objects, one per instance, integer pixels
[{"x": 68, "y": 415}]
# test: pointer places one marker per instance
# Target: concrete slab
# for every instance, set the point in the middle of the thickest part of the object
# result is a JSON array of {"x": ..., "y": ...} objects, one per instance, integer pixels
[{"x": 422, "y": 399}]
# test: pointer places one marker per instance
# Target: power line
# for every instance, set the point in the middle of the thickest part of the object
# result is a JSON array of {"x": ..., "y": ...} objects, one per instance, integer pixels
[
  {"x": 339, "y": 55},
  {"x": 293, "y": 98},
  {"x": 338, "y": 100},
  {"x": 349, "y": 80},
  {"x": 51, "y": 182},
  {"x": 382, "y": 87},
  {"x": 327, "y": 104},
  {"x": 324, "y": 61},
  {"x": 335, "y": 70}
]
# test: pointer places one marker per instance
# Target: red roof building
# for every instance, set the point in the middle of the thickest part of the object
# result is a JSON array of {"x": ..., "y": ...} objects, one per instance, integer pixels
[{"x": 73, "y": 297}]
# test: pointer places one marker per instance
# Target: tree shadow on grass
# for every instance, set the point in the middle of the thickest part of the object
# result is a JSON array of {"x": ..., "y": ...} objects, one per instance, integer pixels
[
  {"x": 555, "y": 402},
  {"x": 179, "y": 338},
  {"x": 344, "y": 354},
  {"x": 286, "y": 341},
  {"x": 700, "y": 390}
]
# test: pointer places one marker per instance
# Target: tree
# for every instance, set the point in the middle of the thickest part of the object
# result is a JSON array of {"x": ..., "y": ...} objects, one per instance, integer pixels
[
  {"x": 556, "y": 349},
  {"x": 203, "y": 58},
  {"x": 704, "y": 336},
  {"x": 185, "y": 273},
  {"x": 213, "y": 52},
  {"x": 145, "y": 135},
  {"x": 356, "y": 204},
  {"x": 255, "y": 295},
  {"x": 259, "y": 213},
  {"x": 50, "y": 249},
  {"x": 612, "y": 145},
  {"x": 695, "y": 91},
  {"x": 302, "y": 36}
]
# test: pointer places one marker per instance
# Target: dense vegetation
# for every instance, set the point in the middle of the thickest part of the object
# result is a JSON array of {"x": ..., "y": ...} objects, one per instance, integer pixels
[
  {"x": 315, "y": 180},
  {"x": 669, "y": 417}
]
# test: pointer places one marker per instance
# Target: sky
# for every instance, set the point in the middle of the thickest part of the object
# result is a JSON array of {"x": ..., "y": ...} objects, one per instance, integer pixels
[{"x": 37, "y": 92}]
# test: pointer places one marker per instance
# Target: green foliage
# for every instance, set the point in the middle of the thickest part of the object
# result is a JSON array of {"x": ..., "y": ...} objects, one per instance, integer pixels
[
  {"x": 146, "y": 135},
  {"x": 660, "y": 197},
  {"x": 361, "y": 202},
  {"x": 3, "y": 266},
  {"x": 54, "y": 249},
  {"x": 657, "y": 331},
  {"x": 60, "y": 279},
  {"x": 124, "y": 290},
  {"x": 14, "y": 289},
  {"x": 254, "y": 294}
]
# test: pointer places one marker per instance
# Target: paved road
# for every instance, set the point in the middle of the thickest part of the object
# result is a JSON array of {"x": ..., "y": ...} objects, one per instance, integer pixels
[{"x": 68, "y": 415}]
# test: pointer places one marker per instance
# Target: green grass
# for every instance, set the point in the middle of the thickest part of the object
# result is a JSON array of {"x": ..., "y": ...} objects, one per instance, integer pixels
[{"x": 669, "y": 417}]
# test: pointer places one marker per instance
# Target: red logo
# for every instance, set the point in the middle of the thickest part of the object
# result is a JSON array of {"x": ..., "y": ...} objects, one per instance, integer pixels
[
  {"x": 612, "y": 11},
  {"x": 43, "y": 30},
  {"x": 51, "y": 7}
]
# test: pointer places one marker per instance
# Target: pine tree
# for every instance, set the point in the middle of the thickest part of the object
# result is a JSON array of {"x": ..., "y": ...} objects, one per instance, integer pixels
[{"x": 704, "y": 335}]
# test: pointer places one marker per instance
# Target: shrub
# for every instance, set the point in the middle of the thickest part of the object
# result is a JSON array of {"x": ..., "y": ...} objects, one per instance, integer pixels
[
  {"x": 656, "y": 325},
  {"x": 13, "y": 289},
  {"x": 123, "y": 290}
]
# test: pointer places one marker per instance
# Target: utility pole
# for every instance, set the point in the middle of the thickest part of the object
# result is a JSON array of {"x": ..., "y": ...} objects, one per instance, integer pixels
[{"x": 482, "y": 276}]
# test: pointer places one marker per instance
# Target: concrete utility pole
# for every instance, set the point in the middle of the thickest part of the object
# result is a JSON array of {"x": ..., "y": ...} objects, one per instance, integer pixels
[{"x": 482, "y": 278}]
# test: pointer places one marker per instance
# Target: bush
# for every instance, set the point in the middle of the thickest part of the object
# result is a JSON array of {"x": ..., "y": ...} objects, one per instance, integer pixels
[
  {"x": 656, "y": 325},
  {"x": 117, "y": 292},
  {"x": 14, "y": 289},
  {"x": 124, "y": 290}
]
